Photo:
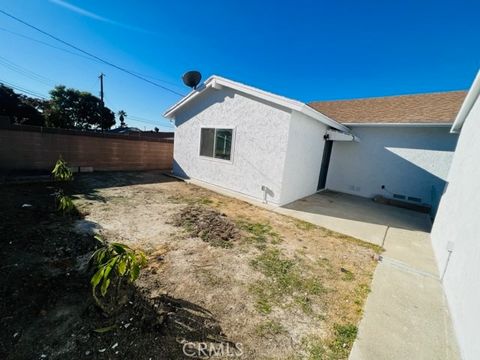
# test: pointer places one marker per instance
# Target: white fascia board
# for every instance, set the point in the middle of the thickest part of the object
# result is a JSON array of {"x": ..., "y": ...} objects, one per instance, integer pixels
[
  {"x": 432, "y": 124},
  {"x": 217, "y": 82},
  {"x": 467, "y": 105},
  {"x": 169, "y": 113}
]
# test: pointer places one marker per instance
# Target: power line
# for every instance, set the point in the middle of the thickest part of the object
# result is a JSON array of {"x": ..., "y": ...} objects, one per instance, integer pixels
[
  {"x": 44, "y": 97},
  {"x": 80, "y": 55},
  {"x": 135, "y": 118},
  {"x": 24, "y": 90},
  {"x": 25, "y": 72},
  {"x": 36, "y": 94},
  {"x": 48, "y": 44},
  {"x": 90, "y": 54}
]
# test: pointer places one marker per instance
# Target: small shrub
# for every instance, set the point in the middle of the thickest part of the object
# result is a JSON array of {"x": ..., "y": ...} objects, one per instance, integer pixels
[
  {"x": 114, "y": 263},
  {"x": 61, "y": 171},
  {"x": 64, "y": 203}
]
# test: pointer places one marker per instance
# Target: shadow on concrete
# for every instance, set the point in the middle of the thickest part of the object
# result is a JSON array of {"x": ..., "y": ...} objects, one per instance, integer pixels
[{"x": 355, "y": 216}]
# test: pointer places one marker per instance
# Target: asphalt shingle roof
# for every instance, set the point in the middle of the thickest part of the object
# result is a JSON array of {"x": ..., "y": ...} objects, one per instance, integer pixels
[{"x": 439, "y": 107}]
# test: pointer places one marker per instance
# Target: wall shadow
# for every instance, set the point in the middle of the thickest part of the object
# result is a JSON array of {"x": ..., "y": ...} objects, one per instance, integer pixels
[
  {"x": 343, "y": 206},
  {"x": 88, "y": 184},
  {"x": 385, "y": 163}
]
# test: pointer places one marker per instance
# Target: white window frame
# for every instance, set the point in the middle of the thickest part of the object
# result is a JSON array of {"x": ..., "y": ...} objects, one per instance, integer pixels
[{"x": 232, "y": 148}]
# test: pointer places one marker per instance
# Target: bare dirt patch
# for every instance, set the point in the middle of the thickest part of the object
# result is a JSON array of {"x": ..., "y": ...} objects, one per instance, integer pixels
[
  {"x": 282, "y": 288},
  {"x": 208, "y": 224}
]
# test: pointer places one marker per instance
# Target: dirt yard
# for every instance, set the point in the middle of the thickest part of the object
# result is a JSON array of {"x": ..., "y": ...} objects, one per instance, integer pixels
[{"x": 222, "y": 274}]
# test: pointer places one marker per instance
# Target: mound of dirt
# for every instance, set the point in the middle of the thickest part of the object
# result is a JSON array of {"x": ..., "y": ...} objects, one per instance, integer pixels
[{"x": 208, "y": 224}]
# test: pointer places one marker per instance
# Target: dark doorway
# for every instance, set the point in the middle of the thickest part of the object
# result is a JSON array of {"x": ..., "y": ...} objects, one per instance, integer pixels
[{"x": 327, "y": 152}]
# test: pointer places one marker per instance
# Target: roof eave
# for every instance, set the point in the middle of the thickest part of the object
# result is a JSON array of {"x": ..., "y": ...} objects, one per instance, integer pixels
[
  {"x": 217, "y": 83},
  {"x": 399, "y": 124},
  {"x": 170, "y": 112}
]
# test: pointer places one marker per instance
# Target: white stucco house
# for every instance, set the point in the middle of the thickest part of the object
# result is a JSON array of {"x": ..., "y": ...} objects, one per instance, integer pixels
[
  {"x": 270, "y": 148},
  {"x": 456, "y": 230}
]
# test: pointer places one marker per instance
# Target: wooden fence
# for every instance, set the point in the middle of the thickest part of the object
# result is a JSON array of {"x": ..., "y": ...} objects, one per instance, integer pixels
[{"x": 37, "y": 148}]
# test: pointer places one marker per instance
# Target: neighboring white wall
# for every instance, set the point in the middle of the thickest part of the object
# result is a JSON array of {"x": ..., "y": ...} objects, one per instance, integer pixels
[
  {"x": 259, "y": 149},
  {"x": 458, "y": 221},
  {"x": 408, "y": 160},
  {"x": 304, "y": 157}
]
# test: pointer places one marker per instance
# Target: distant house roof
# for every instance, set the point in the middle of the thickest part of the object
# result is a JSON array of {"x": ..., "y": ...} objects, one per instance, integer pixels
[
  {"x": 125, "y": 130},
  {"x": 216, "y": 83},
  {"x": 441, "y": 107},
  {"x": 133, "y": 131}
]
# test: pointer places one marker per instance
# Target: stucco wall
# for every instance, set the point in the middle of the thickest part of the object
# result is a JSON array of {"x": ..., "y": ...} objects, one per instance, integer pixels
[
  {"x": 259, "y": 144},
  {"x": 304, "y": 157},
  {"x": 412, "y": 161},
  {"x": 458, "y": 221}
]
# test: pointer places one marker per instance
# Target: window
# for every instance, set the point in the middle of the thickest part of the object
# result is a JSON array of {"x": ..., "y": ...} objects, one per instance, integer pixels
[{"x": 216, "y": 143}]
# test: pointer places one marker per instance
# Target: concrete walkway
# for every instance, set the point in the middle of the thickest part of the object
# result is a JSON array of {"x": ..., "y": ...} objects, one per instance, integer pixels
[{"x": 406, "y": 315}]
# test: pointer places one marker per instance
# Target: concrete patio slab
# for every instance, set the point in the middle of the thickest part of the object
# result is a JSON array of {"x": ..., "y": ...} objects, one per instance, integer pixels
[{"x": 355, "y": 216}]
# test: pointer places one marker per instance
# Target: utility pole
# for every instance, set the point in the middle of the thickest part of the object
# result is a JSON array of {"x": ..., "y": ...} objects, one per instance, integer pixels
[
  {"x": 102, "y": 75},
  {"x": 101, "y": 98}
]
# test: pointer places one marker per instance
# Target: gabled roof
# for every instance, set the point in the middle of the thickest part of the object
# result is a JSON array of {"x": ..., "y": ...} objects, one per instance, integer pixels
[
  {"x": 472, "y": 97},
  {"x": 217, "y": 82},
  {"x": 432, "y": 108}
]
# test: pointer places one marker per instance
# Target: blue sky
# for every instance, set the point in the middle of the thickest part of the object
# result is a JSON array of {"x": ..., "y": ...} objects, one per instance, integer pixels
[{"x": 306, "y": 50}]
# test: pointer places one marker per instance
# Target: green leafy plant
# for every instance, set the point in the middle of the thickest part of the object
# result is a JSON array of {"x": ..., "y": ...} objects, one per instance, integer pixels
[
  {"x": 61, "y": 171},
  {"x": 114, "y": 263},
  {"x": 64, "y": 203}
]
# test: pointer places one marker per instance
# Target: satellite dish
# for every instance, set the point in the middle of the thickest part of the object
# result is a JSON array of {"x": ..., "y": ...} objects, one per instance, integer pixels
[{"x": 192, "y": 78}]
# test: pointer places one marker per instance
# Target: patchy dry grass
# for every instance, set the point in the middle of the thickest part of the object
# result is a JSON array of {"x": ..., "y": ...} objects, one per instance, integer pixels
[
  {"x": 285, "y": 289},
  {"x": 269, "y": 329},
  {"x": 259, "y": 234},
  {"x": 304, "y": 225},
  {"x": 285, "y": 285},
  {"x": 334, "y": 348},
  {"x": 347, "y": 275}
]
